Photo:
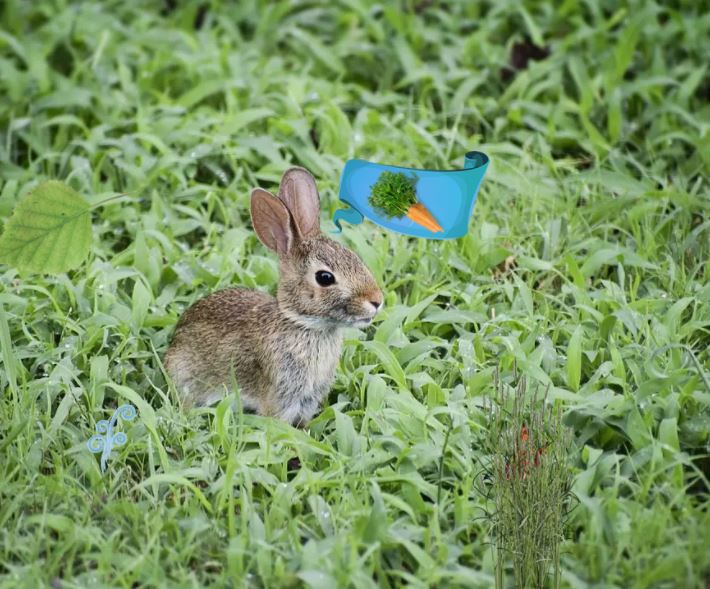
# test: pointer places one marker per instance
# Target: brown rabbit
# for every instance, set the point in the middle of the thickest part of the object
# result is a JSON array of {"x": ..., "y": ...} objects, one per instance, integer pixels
[{"x": 282, "y": 351}]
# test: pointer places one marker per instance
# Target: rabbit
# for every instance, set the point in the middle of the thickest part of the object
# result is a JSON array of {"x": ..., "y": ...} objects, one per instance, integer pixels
[{"x": 282, "y": 351}]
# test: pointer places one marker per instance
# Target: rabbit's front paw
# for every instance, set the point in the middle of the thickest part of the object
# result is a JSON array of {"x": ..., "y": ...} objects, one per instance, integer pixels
[{"x": 299, "y": 412}]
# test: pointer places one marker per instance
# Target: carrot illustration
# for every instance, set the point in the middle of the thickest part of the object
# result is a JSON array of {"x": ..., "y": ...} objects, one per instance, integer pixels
[{"x": 393, "y": 195}]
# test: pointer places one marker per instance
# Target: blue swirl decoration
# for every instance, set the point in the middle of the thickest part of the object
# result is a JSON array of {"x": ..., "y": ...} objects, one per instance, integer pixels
[
  {"x": 106, "y": 439},
  {"x": 449, "y": 195}
]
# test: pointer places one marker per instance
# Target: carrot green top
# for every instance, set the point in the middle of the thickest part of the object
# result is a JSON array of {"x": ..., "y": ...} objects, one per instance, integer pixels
[{"x": 393, "y": 194}]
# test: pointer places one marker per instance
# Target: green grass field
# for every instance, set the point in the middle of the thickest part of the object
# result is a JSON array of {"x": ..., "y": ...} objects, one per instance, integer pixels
[{"x": 586, "y": 267}]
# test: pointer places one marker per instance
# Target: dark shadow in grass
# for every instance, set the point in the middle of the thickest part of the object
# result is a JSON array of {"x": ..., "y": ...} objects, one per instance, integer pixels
[
  {"x": 315, "y": 138},
  {"x": 200, "y": 16},
  {"x": 699, "y": 484},
  {"x": 520, "y": 55},
  {"x": 292, "y": 467},
  {"x": 168, "y": 7},
  {"x": 61, "y": 59},
  {"x": 423, "y": 5}
]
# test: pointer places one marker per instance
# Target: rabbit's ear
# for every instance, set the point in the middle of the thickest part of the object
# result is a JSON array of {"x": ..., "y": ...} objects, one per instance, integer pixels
[
  {"x": 271, "y": 221},
  {"x": 299, "y": 193}
]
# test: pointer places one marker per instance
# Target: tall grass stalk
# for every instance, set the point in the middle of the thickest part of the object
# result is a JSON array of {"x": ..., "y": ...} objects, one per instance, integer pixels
[{"x": 531, "y": 480}]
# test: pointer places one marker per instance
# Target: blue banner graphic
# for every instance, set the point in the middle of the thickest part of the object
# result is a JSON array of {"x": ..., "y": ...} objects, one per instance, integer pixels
[{"x": 449, "y": 195}]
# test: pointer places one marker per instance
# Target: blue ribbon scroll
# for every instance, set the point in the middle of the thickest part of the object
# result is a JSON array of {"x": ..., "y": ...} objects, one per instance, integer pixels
[{"x": 449, "y": 195}]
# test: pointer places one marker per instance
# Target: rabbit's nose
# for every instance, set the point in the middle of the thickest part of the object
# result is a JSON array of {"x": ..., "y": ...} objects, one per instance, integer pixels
[{"x": 374, "y": 297}]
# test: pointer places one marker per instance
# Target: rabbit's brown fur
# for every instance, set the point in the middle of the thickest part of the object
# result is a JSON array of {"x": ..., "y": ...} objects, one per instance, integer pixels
[{"x": 282, "y": 351}]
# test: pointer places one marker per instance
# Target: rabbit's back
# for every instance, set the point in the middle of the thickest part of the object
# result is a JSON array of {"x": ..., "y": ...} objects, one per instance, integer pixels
[{"x": 216, "y": 340}]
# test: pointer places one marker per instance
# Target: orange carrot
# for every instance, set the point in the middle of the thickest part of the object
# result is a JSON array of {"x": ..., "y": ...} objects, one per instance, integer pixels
[{"x": 421, "y": 216}]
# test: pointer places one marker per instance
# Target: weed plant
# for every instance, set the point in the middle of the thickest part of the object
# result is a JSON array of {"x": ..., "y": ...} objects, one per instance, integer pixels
[{"x": 530, "y": 480}]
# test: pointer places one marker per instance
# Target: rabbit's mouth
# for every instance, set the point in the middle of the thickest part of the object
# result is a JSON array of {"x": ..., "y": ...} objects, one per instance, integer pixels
[
  {"x": 361, "y": 321},
  {"x": 337, "y": 320},
  {"x": 354, "y": 315},
  {"x": 321, "y": 322}
]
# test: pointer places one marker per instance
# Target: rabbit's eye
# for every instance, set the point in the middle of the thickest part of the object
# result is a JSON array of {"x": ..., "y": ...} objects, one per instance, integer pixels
[{"x": 324, "y": 278}]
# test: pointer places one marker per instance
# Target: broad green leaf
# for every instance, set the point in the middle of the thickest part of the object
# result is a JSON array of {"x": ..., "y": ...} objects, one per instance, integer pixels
[
  {"x": 146, "y": 259},
  {"x": 311, "y": 45},
  {"x": 376, "y": 525},
  {"x": 376, "y": 390},
  {"x": 636, "y": 428},
  {"x": 317, "y": 579},
  {"x": 238, "y": 121},
  {"x": 417, "y": 309},
  {"x": 141, "y": 301},
  {"x": 335, "y": 131},
  {"x": 9, "y": 361},
  {"x": 49, "y": 231},
  {"x": 345, "y": 434},
  {"x": 614, "y": 116},
  {"x": 532, "y": 28},
  {"x": 174, "y": 479},
  {"x": 198, "y": 93},
  {"x": 673, "y": 316},
  {"x": 411, "y": 351},
  {"x": 393, "y": 320},
  {"x": 389, "y": 362},
  {"x": 575, "y": 272},
  {"x": 584, "y": 86},
  {"x": 668, "y": 435},
  {"x": 574, "y": 359},
  {"x": 62, "y": 412},
  {"x": 58, "y": 523}
]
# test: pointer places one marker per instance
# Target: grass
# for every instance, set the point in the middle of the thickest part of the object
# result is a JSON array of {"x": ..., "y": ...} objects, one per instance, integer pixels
[{"x": 586, "y": 266}]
